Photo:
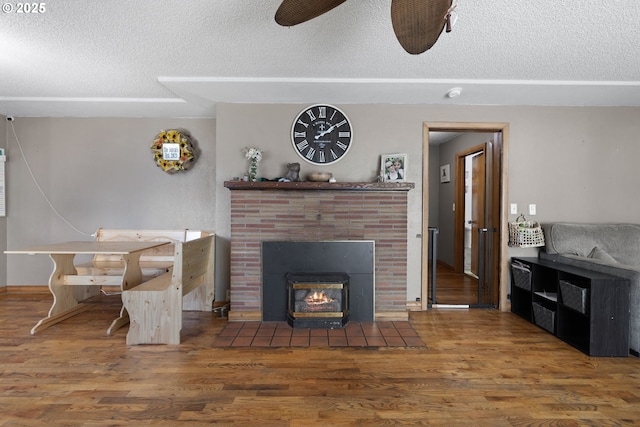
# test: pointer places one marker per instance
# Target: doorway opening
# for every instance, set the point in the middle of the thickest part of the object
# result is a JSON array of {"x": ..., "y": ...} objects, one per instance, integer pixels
[{"x": 469, "y": 213}]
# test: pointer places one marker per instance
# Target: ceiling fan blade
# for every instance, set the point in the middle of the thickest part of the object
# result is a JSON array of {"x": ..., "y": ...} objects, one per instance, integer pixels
[
  {"x": 418, "y": 23},
  {"x": 293, "y": 12}
]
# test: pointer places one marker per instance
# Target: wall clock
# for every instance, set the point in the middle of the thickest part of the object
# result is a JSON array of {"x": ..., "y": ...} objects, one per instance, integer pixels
[{"x": 321, "y": 134}]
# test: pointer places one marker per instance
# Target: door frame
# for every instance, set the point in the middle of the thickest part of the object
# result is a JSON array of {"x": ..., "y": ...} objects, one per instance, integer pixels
[{"x": 503, "y": 185}]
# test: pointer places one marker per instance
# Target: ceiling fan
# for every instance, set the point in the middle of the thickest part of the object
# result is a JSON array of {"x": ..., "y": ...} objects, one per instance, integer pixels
[{"x": 416, "y": 23}]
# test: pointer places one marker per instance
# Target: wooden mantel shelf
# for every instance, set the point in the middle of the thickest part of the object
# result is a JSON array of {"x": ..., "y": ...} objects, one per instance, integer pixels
[{"x": 308, "y": 185}]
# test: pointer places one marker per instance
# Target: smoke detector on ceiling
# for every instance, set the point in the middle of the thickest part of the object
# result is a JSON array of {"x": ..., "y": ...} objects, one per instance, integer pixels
[{"x": 453, "y": 92}]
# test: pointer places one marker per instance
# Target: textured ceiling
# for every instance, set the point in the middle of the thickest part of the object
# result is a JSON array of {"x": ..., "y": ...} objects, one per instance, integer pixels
[{"x": 149, "y": 58}]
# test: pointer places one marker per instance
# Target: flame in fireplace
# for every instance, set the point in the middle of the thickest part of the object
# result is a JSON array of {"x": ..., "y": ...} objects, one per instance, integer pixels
[{"x": 318, "y": 298}]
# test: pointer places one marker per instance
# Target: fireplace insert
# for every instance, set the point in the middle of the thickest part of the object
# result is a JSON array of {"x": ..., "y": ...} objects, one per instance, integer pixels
[
  {"x": 317, "y": 300},
  {"x": 355, "y": 258}
]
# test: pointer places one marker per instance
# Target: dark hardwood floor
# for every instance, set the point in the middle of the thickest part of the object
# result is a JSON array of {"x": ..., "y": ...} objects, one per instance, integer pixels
[
  {"x": 455, "y": 288},
  {"x": 480, "y": 368}
]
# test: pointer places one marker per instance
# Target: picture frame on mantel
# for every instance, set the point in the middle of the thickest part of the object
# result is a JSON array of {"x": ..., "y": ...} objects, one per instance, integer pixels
[
  {"x": 445, "y": 174},
  {"x": 393, "y": 167}
]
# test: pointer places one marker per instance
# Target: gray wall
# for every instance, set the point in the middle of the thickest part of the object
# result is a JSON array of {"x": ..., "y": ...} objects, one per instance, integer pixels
[
  {"x": 99, "y": 173},
  {"x": 576, "y": 164},
  {"x": 434, "y": 186}
]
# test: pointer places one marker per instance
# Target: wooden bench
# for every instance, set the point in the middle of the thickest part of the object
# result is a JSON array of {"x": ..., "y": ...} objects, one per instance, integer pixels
[
  {"x": 155, "y": 306},
  {"x": 153, "y": 262}
]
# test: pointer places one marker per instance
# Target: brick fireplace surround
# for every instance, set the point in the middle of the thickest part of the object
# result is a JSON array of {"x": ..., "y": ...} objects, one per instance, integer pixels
[{"x": 314, "y": 211}]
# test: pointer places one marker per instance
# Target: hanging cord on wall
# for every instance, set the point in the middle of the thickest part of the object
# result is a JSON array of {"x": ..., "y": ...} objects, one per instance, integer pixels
[{"x": 40, "y": 188}]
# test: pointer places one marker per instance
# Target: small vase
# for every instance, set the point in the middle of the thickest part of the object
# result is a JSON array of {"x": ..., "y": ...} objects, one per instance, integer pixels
[{"x": 253, "y": 169}]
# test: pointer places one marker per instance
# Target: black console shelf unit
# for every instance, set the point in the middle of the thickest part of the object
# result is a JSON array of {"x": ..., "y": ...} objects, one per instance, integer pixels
[{"x": 586, "y": 309}]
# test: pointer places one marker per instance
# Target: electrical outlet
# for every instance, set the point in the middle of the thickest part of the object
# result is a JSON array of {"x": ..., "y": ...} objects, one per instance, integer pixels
[
  {"x": 532, "y": 209},
  {"x": 514, "y": 209}
]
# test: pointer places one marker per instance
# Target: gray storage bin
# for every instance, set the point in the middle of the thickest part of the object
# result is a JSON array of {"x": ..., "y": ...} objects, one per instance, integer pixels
[
  {"x": 544, "y": 317},
  {"x": 521, "y": 276},
  {"x": 574, "y": 296}
]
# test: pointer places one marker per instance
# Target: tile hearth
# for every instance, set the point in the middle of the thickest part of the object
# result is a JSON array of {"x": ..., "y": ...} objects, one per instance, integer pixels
[{"x": 354, "y": 334}]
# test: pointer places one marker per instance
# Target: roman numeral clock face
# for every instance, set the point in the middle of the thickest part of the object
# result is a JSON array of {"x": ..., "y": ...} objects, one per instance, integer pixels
[{"x": 321, "y": 134}]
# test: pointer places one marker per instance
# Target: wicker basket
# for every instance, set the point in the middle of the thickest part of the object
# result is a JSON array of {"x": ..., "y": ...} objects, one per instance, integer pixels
[
  {"x": 521, "y": 276},
  {"x": 574, "y": 296},
  {"x": 525, "y": 234},
  {"x": 544, "y": 317}
]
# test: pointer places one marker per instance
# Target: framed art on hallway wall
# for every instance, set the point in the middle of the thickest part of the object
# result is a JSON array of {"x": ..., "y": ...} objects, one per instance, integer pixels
[{"x": 445, "y": 173}]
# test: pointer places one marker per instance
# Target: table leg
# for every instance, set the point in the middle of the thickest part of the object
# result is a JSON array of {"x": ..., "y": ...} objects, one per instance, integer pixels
[
  {"x": 131, "y": 277},
  {"x": 66, "y": 299}
]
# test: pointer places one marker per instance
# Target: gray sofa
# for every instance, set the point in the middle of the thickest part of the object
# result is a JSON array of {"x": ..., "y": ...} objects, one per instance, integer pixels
[{"x": 607, "y": 248}]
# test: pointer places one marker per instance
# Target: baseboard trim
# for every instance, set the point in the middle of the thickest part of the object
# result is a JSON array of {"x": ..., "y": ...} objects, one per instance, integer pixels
[
  {"x": 444, "y": 265},
  {"x": 26, "y": 290},
  {"x": 397, "y": 316},
  {"x": 414, "y": 306},
  {"x": 245, "y": 316}
]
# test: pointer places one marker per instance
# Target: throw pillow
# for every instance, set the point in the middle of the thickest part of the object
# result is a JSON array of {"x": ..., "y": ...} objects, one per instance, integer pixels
[{"x": 602, "y": 255}]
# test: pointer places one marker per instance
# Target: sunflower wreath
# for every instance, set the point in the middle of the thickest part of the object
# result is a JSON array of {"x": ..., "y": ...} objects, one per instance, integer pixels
[{"x": 174, "y": 150}]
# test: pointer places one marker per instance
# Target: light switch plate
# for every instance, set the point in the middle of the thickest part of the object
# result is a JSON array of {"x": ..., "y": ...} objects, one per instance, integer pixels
[
  {"x": 532, "y": 209},
  {"x": 514, "y": 209}
]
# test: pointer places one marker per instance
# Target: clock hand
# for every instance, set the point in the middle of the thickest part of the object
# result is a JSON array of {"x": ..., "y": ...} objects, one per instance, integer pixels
[{"x": 324, "y": 132}]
